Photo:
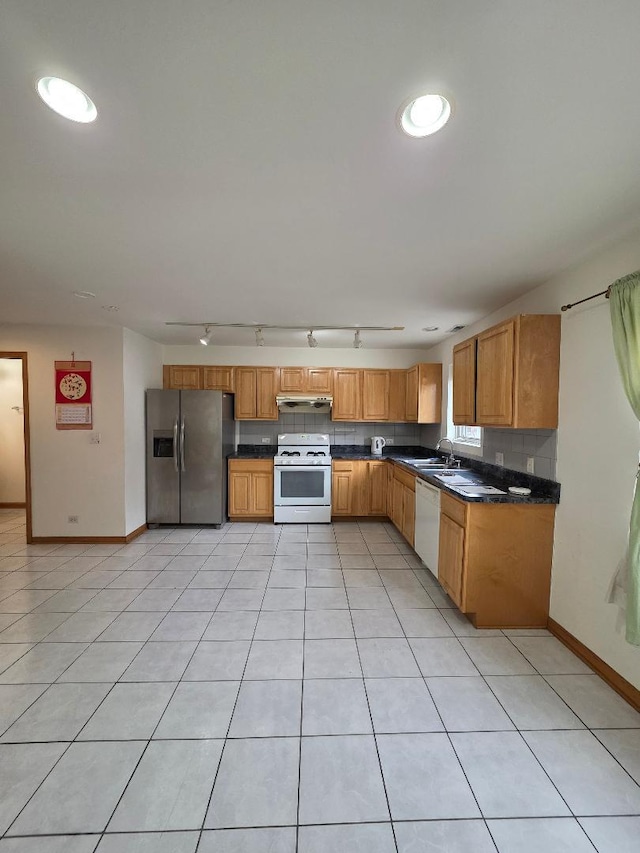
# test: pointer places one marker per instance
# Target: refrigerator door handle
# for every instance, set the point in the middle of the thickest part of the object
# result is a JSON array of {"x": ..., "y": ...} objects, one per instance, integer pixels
[
  {"x": 182, "y": 465},
  {"x": 175, "y": 444}
]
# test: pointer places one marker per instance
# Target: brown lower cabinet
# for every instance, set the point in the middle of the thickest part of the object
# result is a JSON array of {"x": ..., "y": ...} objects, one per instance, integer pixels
[
  {"x": 495, "y": 561},
  {"x": 359, "y": 487},
  {"x": 250, "y": 488},
  {"x": 402, "y": 498}
]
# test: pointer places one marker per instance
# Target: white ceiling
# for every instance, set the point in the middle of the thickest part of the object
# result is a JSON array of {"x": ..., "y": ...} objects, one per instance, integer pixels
[{"x": 246, "y": 165}]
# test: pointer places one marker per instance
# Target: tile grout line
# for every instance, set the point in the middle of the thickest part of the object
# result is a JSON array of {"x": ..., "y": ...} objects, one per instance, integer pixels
[{"x": 235, "y": 705}]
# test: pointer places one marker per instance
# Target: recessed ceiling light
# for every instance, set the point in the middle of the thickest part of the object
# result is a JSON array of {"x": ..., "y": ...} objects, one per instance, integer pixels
[
  {"x": 425, "y": 115},
  {"x": 84, "y": 294},
  {"x": 67, "y": 100},
  {"x": 110, "y": 307},
  {"x": 430, "y": 328}
]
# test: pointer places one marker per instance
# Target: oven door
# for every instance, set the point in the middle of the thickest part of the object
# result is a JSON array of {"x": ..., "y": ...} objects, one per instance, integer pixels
[{"x": 302, "y": 485}]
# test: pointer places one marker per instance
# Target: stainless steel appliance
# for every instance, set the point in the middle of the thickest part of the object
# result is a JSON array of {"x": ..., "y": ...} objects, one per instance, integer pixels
[
  {"x": 301, "y": 404},
  {"x": 302, "y": 479},
  {"x": 189, "y": 436},
  {"x": 427, "y": 535}
]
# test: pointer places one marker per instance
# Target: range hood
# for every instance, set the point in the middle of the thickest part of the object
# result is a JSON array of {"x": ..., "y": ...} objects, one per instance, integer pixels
[{"x": 305, "y": 404}]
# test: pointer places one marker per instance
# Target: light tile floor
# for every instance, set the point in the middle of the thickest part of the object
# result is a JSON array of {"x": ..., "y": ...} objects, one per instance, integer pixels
[{"x": 290, "y": 689}]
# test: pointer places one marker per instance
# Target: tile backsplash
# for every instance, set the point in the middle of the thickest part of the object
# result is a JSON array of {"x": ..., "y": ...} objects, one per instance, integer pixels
[
  {"x": 516, "y": 445},
  {"x": 252, "y": 432}
]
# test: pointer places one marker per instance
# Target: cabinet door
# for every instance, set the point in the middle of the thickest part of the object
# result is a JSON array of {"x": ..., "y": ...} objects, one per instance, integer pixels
[
  {"x": 377, "y": 476},
  {"x": 464, "y": 383},
  {"x": 347, "y": 395},
  {"x": 266, "y": 408},
  {"x": 245, "y": 390},
  {"x": 240, "y": 493},
  {"x": 342, "y": 489},
  {"x": 292, "y": 380},
  {"x": 409, "y": 515},
  {"x": 411, "y": 396},
  {"x": 217, "y": 379},
  {"x": 375, "y": 395},
  {"x": 262, "y": 493},
  {"x": 494, "y": 380},
  {"x": 397, "y": 396},
  {"x": 450, "y": 559},
  {"x": 186, "y": 378},
  {"x": 397, "y": 505},
  {"x": 319, "y": 380}
]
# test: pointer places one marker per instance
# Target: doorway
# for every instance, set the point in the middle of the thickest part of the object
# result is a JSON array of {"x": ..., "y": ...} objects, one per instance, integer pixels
[{"x": 15, "y": 475}]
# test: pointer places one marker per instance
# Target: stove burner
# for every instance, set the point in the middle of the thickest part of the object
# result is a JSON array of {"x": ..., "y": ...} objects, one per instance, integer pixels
[
  {"x": 290, "y": 453},
  {"x": 316, "y": 453}
]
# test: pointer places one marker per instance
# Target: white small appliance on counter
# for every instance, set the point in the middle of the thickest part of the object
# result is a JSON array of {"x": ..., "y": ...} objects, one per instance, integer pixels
[{"x": 377, "y": 443}]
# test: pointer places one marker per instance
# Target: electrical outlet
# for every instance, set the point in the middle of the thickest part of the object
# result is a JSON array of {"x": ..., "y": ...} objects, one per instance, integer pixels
[
  {"x": 266, "y": 439},
  {"x": 389, "y": 441},
  {"x": 72, "y": 519},
  {"x": 95, "y": 438},
  {"x": 499, "y": 457},
  {"x": 531, "y": 464}
]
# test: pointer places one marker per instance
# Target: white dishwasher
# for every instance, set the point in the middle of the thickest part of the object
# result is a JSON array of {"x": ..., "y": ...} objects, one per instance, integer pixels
[{"x": 427, "y": 533}]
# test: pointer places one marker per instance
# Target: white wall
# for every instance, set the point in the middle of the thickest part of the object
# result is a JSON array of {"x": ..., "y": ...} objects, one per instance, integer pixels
[
  {"x": 142, "y": 369},
  {"x": 12, "y": 483},
  {"x": 69, "y": 475},
  {"x": 598, "y": 444},
  {"x": 293, "y": 356}
]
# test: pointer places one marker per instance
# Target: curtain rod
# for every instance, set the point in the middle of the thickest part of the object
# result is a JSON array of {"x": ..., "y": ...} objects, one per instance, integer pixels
[{"x": 604, "y": 293}]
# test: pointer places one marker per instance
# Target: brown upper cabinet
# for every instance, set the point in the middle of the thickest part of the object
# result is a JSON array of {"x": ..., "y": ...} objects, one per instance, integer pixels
[
  {"x": 423, "y": 394},
  {"x": 217, "y": 379},
  {"x": 255, "y": 390},
  {"x": 375, "y": 395},
  {"x": 379, "y": 396},
  {"x": 508, "y": 375},
  {"x": 182, "y": 377},
  {"x": 195, "y": 377},
  {"x": 306, "y": 380},
  {"x": 347, "y": 394}
]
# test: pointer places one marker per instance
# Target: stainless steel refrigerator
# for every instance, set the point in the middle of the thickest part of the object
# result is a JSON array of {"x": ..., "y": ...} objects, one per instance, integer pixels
[{"x": 189, "y": 436}]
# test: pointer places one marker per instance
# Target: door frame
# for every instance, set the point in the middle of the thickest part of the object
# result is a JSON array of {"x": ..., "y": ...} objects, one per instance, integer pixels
[{"x": 27, "y": 452}]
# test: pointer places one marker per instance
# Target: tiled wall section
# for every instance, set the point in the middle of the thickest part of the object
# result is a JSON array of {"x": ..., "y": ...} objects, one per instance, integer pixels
[
  {"x": 252, "y": 432},
  {"x": 516, "y": 444}
]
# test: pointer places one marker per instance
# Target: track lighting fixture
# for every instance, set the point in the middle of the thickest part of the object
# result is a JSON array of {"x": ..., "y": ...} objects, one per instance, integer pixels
[{"x": 205, "y": 340}]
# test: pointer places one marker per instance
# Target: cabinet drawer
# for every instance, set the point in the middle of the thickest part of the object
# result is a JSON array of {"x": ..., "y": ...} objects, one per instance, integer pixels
[
  {"x": 408, "y": 480},
  {"x": 253, "y": 466},
  {"x": 339, "y": 465},
  {"x": 456, "y": 510}
]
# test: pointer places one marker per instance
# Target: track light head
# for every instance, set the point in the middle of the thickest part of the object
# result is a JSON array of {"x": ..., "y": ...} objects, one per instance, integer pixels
[
  {"x": 357, "y": 343},
  {"x": 205, "y": 340},
  {"x": 259, "y": 338},
  {"x": 311, "y": 340}
]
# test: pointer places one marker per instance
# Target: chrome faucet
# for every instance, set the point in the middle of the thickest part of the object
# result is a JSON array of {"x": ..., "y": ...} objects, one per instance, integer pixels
[{"x": 451, "y": 459}]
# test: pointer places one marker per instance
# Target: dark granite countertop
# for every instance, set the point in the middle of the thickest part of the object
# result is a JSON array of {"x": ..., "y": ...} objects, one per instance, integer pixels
[{"x": 542, "y": 491}]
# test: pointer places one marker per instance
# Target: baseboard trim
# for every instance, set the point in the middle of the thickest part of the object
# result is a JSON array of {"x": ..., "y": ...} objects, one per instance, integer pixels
[
  {"x": 12, "y": 505},
  {"x": 361, "y": 519},
  {"x": 623, "y": 687},
  {"x": 135, "y": 533},
  {"x": 90, "y": 540},
  {"x": 251, "y": 519}
]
